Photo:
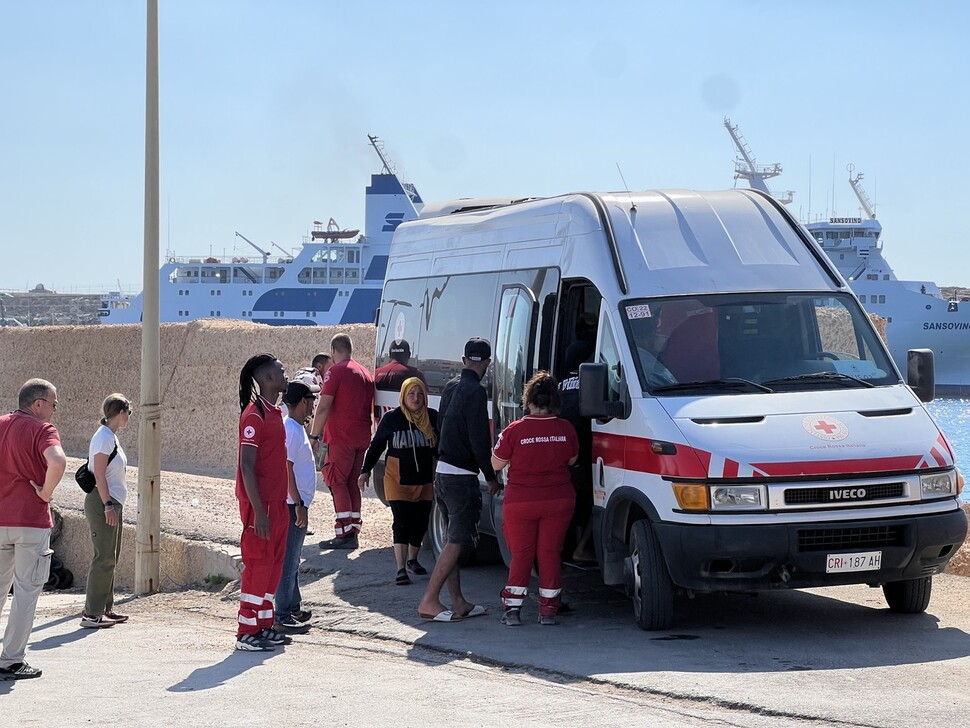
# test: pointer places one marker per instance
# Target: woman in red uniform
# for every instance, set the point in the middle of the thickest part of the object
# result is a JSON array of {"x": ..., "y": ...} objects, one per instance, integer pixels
[{"x": 539, "y": 497}]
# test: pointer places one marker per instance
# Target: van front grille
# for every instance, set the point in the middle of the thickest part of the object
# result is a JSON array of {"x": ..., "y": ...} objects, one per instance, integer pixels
[
  {"x": 838, "y": 539},
  {"x": 843, "y": 494}
]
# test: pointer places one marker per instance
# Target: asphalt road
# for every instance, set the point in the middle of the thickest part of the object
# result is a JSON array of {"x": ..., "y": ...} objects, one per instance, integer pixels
[{"x": 824, "y": 657}]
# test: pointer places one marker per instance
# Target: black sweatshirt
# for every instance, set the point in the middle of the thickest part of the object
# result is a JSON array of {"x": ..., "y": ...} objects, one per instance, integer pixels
[{"x": 466, "y": 441}]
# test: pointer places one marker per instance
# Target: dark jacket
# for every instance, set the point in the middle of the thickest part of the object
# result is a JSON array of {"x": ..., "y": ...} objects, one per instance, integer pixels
[
  {"x": 405, "y": 443},
  {"x": 466, "y": 441}
]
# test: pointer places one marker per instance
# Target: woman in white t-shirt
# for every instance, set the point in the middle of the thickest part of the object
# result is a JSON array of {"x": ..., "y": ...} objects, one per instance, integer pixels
[{"x": 102, "y": 508}]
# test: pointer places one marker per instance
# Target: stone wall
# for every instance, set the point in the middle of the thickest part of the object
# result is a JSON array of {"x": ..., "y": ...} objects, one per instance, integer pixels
[{"x": 200, "y": 363}]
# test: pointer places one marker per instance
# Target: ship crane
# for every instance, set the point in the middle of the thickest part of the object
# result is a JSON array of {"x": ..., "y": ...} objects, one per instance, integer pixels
[
  {"x": 262, "y": 252},
  {"x": 746, "y": 168},
  {"x": 860, "y": 193}
]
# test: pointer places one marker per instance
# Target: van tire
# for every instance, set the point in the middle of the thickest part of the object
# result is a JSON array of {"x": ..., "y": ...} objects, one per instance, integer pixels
[
  {"x": 487, "y": 552},
  {"x": 653, "y": 591},
  {"x": 911, "y": 596}
]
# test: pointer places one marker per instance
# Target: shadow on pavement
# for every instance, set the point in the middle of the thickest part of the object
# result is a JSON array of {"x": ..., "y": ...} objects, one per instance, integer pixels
[
  {"x": 213, "y": 676},
  {"x": 836, "y": 628}
]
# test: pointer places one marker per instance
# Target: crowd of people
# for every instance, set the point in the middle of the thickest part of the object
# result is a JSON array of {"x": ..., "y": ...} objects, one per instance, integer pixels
[{"x": 321, "y": 420}]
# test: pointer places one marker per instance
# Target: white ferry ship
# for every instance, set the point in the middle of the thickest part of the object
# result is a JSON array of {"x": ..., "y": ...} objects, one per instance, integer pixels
[
  {"x": 917, "y": 315},
  {"x": 335, "y": 277}
]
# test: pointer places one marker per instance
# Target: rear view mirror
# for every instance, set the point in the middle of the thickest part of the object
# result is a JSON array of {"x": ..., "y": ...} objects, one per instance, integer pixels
[
  {"x": 594, "y": 399},
  {"x": 921, "y": 373}
]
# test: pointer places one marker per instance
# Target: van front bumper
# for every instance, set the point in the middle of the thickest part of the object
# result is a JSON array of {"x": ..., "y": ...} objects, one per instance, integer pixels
[{"x": 758, "y": 557}]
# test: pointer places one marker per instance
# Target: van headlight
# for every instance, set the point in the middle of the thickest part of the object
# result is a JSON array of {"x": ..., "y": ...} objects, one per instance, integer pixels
[
  {"x": 938, "y": 485},
  {"x": 738, "y": 497}
]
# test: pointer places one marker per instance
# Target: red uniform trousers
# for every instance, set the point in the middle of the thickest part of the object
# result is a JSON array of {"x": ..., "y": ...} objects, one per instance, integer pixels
[
  {"x": 262, "y": 565},
  {"x": 340, "y": 472},
  {"x": 535, "y": 532}
]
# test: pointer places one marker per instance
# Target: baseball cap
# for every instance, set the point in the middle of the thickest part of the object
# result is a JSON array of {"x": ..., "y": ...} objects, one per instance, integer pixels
[
  {"x": 477, "y": 349},
  {"x": 295, "y": 391},
  {"x": 400, "y": 346}
]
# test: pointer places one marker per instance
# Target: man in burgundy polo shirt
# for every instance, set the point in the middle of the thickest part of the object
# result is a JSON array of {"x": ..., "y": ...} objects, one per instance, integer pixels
[
  {"x": 343, "y": 419},
  {"x": 31, "y": 465}
]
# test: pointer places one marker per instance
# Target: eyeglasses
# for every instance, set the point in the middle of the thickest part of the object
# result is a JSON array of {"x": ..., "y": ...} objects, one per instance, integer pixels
[{"x": 52, "y": 404}]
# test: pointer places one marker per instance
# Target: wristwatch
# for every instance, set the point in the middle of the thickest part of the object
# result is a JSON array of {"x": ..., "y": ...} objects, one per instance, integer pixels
[
  {"x": 314, "y": 437},
  {"x": 301, "y": 503},
  {"x": 109, "y": 503}
]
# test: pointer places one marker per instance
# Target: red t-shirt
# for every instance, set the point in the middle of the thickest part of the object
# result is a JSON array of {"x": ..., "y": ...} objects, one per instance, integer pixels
[
  {"x": 23, "y": 440},
  {"x": 352, "y": 410},
  {"x": 266, "y": 432},
  {"x": 538, "y": 449}
]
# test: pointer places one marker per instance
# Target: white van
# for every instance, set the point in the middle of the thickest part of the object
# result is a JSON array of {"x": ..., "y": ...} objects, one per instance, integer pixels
[{"x": 750, "y": 430}]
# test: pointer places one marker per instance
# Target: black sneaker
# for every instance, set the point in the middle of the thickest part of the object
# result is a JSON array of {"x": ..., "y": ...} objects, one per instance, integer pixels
[
  {"x": 289, "y": 625},
  {"x": 273, "y": 637},
  {"x": 512, "y": 617},
  {"x": 402, "y": 578},
  {"x": 253, "y": 643},
  {"x": 99, "y": 622},
  {"x": 547, "y": 619},
  {"x": 415, "y": 568},
  {"x": 340, "y": 542},
  {"x": 19, "y": 671},
  {"x": 303, "y": 615}
]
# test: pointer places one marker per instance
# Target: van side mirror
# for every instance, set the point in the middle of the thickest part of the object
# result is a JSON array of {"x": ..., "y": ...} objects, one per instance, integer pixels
[
  {"x": 594, "y": 398},
  {"x": 921, "y": 373}
]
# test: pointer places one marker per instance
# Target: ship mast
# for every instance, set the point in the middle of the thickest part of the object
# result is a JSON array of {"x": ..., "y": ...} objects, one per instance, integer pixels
[
  {"x": 860, "y": 193},
  {"x": 746, "y": 167},
  {"x": 379, "y": 148}
]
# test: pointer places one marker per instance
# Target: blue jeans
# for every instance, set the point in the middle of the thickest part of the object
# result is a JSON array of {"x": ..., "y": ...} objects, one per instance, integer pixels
[{"x": 288, "y": 597}]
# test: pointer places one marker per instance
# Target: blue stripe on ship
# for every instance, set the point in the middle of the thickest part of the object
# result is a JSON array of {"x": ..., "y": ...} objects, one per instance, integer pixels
[
  {"x": 296, "y": 299},
  {"x": 377, "y": 268},
  {"x": 285, "y": 322},
  {"x": 362, "y": 307}
]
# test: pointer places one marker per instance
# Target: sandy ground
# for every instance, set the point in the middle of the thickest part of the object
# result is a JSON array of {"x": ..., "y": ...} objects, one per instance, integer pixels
[{"x": 204, "y": 507}]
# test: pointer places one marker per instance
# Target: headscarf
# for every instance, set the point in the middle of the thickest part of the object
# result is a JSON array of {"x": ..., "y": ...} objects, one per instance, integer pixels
[{"x": 419, "y": 419}]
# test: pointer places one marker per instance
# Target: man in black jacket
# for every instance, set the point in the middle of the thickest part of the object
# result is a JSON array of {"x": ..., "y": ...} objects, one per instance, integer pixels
[{"x": 464, "y": 449}]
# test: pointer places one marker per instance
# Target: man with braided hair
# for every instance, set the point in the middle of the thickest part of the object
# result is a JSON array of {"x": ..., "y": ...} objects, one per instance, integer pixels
[{"x": 261, "y": 488}]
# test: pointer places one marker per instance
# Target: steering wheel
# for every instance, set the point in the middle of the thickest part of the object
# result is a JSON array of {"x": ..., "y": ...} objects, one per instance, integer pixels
[{"x": 823, "y": 355}]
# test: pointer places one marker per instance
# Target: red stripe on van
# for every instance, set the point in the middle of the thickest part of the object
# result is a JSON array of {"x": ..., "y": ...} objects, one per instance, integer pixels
[
  {"x": 841, "y": 467},
  {"x": 634, "y": 453}
]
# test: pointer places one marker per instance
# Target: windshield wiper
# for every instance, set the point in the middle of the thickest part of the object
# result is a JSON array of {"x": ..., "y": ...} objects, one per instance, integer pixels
[
  {"x": 730, "y": 383},
  {"x": 847, "y": 379}
]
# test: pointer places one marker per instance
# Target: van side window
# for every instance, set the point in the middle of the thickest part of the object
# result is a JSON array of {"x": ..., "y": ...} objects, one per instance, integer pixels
[
  {"x": 450, "y": 310},
  {"x": 579, "y": 316},
  {"x": 511, "y": 355},
  {"x": 610, "y": 355}
]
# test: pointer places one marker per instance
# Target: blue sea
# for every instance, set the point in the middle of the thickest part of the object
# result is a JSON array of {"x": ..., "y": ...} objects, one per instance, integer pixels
[{"x": 953, "y": 415}]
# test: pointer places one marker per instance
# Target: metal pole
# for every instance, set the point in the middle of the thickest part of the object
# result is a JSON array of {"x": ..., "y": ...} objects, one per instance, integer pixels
[{"x": 147, "y": 541}]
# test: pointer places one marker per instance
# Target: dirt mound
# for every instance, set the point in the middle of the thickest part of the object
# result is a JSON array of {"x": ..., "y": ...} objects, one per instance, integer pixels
[{"x": 200, "y": 363}]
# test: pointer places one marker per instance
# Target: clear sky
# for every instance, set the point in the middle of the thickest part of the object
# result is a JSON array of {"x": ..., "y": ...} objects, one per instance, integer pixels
[{"x": 265, "y": 108}]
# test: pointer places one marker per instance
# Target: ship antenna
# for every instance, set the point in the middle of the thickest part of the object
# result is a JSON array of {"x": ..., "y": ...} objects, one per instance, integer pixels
[
  {"x": 860, "y": 193},
  {"x": 379, "y": 148},
  {"x": 633, "y": 205},
  {"x": 746, "y": 167}
]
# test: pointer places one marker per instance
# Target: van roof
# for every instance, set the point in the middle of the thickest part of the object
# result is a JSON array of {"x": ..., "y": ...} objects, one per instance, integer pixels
[{"x": 658, "y": 242}]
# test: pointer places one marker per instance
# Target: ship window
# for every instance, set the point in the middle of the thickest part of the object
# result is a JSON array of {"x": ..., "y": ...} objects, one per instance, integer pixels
[
  {"x": 841, "y": 256},
  {"x": 353, "y": 256},
  {"x": 352, "y": 276},
  {"x": 303, "y": 276},
  {"x": 218, "y": 293},
  {"x": 862, "y": 299},
  {"x": 832, "y": 235},
  {"x": 273, "y": 273},
  {"x": 885, "y": 277},
  {"x": 320, "y": 274},
  {"x": 845, "y": 234},
  {"x": 882, "y": 299}
]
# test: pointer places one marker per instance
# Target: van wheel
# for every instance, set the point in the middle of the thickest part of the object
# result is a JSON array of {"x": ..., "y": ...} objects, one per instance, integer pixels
[
  {"x": 911, "y": 596},
  {"x": 652, "y": 589},
  {"x": 488, "y": 551}
]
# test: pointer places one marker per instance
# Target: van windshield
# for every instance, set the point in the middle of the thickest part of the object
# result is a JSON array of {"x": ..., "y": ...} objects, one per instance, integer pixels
[{"x": 756, "y": 342}]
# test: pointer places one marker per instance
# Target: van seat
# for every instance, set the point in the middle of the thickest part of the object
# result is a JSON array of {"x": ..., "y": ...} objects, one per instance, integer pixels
[{"x": 691, "y": 353}]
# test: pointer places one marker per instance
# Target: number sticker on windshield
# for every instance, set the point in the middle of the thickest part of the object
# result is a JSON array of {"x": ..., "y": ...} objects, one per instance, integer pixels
[{"x": 639, "y": 311}]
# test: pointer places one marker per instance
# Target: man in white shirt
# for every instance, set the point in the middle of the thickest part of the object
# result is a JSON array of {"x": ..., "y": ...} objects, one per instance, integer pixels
[{"x": 299, "y": 399}]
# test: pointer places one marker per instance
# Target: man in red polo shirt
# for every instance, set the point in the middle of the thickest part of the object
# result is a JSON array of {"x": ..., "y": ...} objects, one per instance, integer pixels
[
  {"x": 261, "y": 488},
  {"x": 31, "y": 465},
  {"x": 343, "y": 419}
]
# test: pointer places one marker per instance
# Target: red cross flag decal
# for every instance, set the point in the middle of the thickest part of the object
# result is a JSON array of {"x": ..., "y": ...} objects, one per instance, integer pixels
[{"x": 825, "y": 427}]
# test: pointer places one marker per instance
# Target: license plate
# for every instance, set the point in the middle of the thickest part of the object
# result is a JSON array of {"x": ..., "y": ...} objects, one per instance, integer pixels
[{"x": 863, "y": 561}]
